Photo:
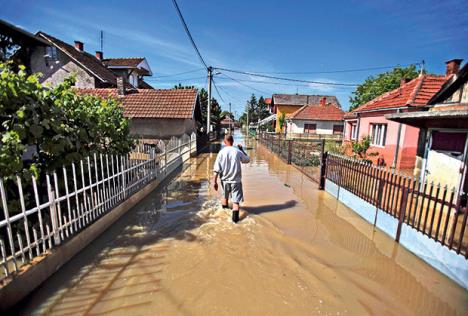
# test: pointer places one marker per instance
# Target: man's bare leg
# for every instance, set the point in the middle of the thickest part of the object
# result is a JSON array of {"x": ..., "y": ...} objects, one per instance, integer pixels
[
  {"x": 224, "y": 203},
  {"x": 235, "y": 212}
]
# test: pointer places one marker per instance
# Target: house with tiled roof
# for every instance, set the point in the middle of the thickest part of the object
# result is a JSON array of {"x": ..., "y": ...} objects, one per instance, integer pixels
[
  {"x": 393, "y": 144},
  {"x": 290, "y": 103},
  {"x": 156, "y": 113},
  {"x": 443, "y": 124},
  {"x": 133, "y": 68},
  {"x": 321, "y": 119},
  {"x": 58, "y": 60}
]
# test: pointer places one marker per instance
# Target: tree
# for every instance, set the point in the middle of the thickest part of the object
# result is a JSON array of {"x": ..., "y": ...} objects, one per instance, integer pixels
[
  {"x": 215, "y": 117},
  {"x": 282, "y": 120},
  {"x": 57, "y": 125},
  {"x": 373, "y": 87},
  {"x": 262, "y": 109},
  {"x": 226, "y": 114}
]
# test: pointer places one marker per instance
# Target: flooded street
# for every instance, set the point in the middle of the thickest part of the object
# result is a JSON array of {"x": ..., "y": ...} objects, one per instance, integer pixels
[{"x": 298, "y": 252}]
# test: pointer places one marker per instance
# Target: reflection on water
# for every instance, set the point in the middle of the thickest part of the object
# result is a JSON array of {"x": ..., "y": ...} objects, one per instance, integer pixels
[{"x": 299, "y": 251}]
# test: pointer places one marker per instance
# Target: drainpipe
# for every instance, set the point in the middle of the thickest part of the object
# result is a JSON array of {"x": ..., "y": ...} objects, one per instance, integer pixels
[
  {"x": 358, "y": 126},
  {"x": 397, "y": 147}
]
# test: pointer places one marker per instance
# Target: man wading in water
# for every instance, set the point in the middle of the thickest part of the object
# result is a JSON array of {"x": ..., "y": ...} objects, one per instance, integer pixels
[{"x": 228, "y": 168}]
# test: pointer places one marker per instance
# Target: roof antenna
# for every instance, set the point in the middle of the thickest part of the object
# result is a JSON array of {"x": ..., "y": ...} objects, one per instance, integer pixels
[
  {"x": 423, "y": 63},
  {"x": 102, "y": 39}
]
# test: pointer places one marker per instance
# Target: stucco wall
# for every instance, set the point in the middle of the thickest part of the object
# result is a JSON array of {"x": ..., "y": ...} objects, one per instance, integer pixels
[
  {"x": 58, "y": 70},
  {"x": 408, "y": 141},
  {"x": 323, "y": 127},
  {"x": 161, "y": 128},
  {"x": 288, "y": 109}
]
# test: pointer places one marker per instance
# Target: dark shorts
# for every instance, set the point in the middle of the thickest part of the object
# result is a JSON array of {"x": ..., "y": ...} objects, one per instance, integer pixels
[{"x": 233, "y": 192}]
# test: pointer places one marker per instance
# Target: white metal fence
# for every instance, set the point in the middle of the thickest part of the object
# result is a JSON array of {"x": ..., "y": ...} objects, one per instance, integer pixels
[{"x": 40, "y": 214}]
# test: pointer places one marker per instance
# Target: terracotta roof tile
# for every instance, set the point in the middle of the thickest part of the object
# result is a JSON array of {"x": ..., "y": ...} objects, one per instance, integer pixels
[
  {"x": 417, "y": 92},
  {"x": 153, "y": 103},
  {"x": 302, "y": 99},
  {"x": 131, "y": 62},
  {"x": 329, "y": 112}
]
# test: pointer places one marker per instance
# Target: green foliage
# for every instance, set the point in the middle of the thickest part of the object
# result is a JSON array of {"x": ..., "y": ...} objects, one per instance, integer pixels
[
  {"x": 282, "y": 120},
  {"x": 360, "y": 148},
  {"x": 373, "y": 87},
  {"x": 334, "y": 147},
  {"x": 226, "y": 114},
  {"x": 57, "y": 126},
  {"x": 215, "y": 116},
  {"x": 180, "y": 86}
]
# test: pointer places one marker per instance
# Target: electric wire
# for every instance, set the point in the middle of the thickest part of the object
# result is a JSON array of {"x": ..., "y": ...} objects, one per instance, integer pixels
[
  {"x": 245, "y": 85},
  {"x": 178, "y": 74},
  {"x": 333, "y": 71},
  {"x": 187, "y": 31}
]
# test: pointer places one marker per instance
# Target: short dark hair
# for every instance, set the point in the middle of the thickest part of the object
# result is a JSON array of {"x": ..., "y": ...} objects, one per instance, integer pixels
[{"x": 228, "y": 138}]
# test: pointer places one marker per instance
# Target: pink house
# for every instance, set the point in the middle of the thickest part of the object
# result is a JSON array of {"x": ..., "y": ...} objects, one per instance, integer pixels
[{"x": 396, "y": 144}]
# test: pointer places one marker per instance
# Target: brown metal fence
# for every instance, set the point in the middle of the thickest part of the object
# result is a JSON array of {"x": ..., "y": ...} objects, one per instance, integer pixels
[
  {"x": 306, "y": 155},
  {"x": 434, "y": 210}
]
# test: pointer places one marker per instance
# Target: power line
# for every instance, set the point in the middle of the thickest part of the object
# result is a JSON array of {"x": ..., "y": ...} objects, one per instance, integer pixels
[
  {"x": 288, "y": 79},
  {"x": 275, "y": 82},
  {"x": 180, "y": 73},
  {"x": 178, "y": 80},
  {"x": 245, "y": 85},
  {"x": 187, "y": 31},
  {"x": 216, "y": 88},
  {"x": 332, "y": 71}
]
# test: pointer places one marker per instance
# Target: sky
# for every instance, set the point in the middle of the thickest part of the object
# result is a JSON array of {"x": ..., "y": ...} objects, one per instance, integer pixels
[{"x": 294, "y": 37}]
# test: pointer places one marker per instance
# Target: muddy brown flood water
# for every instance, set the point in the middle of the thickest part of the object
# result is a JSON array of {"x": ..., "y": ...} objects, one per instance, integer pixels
[{"x": 299, "y": 252}]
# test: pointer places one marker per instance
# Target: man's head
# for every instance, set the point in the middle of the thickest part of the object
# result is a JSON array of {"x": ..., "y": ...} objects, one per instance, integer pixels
[{"x": 228, "y": 140}]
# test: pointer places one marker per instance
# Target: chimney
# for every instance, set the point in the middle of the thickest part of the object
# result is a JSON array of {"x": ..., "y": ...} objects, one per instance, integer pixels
[
  {"x": 99, "y": 55},
  {"x": 403, "y": 81},
  {"x": 452, "y": 67},
  {"x": 120, "y": 86},
  {"x": 79, "y": 46},
  {"x": 323, "y": 101}
]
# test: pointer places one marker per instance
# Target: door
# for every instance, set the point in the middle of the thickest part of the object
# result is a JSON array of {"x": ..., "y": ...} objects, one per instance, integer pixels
[{"x": 446, "y": 158}]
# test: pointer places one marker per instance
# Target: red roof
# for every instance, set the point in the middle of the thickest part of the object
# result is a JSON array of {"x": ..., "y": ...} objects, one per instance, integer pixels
[
  {"x": 417, "y": 92},
  {"x": 131, "y": 62},
  {"x": 268, "y": 101},
  {"x": 328, "y": 112},
  {"x": 153, "y": 103}
]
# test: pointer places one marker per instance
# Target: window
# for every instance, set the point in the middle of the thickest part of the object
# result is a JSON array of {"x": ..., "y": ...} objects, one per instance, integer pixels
[
  {"x": 310, "y": 128},
  {"x": 353, "y": 130},
  {"x": 51, "y": 53},
  {"x": 337, "y": 129},
  {"x": 378, "y": 134}
]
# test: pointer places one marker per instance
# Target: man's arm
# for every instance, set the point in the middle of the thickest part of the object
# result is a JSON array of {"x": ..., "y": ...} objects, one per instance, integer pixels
[
  {"x": 244, "y": 158},
  {"x": 215, "y": 181},
  {"x": 217, "y": 170}
]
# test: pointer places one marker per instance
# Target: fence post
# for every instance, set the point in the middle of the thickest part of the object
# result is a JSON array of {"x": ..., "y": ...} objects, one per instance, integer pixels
[
  {"x": 401, "y": 216},
  {"x": 289, "y": 152},
  {"x": 53, "y": 212},
  {"x": 323, "y": 167},
  {"x": 379, "y": 199}
]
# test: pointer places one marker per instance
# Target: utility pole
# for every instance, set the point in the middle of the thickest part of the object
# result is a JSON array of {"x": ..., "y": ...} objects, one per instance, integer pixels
[
  {"x": 230, "y": 116},
  {"x": 248, "y": 110},
  {"x": 208, "y": 115}
]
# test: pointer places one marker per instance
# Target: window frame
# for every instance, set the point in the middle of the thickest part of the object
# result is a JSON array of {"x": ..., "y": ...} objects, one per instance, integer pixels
[
  {"x": 306, "y": 130},
  {"x": 353, "y": 130},
  {"x": 378, "y": 134},
  {"x": 341, "y": 129}
]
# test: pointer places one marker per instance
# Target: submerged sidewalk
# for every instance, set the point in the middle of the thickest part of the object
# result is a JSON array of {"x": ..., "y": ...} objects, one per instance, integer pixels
[{"x": 299, "y": 252}]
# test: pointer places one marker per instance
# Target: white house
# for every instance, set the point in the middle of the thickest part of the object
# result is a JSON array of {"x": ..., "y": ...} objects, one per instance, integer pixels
[{"x": 323, "y": 119}]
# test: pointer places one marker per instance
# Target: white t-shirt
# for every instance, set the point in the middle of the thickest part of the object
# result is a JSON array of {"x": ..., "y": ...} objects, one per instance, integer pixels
[{"x": 228, "y": 164}]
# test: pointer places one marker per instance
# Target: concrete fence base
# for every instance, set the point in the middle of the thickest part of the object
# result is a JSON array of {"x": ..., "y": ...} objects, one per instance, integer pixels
[
  {"x": 20, "y": 285},
  {"x": 441, "y": 258}
]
